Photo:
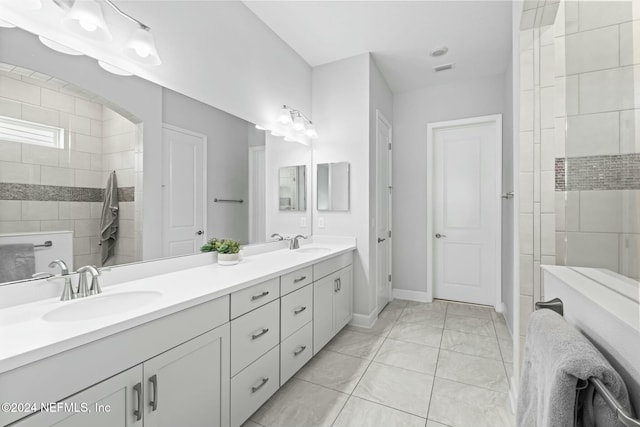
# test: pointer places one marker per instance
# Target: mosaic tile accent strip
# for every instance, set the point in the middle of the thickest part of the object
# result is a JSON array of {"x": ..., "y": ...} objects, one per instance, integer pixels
[
  {"x": 54, "y": 193},
  {"x": 615, "y": 172}
]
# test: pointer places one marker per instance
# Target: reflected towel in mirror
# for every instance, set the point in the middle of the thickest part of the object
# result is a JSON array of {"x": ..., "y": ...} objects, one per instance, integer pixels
[
  {"x": 17, "y": 262},
  {"x": 109, "y": 219}
]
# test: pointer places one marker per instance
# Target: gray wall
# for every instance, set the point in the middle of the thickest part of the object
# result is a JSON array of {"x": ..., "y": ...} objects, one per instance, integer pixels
[
  {"x": 227, "y": 161},
  {"x": 508, "y": 205}
]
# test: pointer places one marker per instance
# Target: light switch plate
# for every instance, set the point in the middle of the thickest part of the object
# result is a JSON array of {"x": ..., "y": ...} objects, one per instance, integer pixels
[
  {"x": 320, "y": 222},
  {"x": 303, "y": 221}
]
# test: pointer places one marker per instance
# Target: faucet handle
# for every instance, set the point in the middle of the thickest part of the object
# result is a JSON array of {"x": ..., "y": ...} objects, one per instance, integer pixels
[
  {"x": 277, "y": 236},
  {"x": 300, "y": 236}
]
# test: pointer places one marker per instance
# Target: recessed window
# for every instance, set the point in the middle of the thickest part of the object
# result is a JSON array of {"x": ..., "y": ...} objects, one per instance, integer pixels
[{"x": 31, "y": 133}]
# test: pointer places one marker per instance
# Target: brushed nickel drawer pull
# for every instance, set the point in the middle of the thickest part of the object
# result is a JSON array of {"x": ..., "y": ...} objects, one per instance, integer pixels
[
  {"x": 299, "y": 279},
  {"x": 154, "y": 384},
  {"x": 299, "y": 309},
  {"x": 263, "y": 294},
  {"x": 300, "y": 350},
  {"x": 138, "y": 412},
  {"x": 255, "y": 335},
  {"x": 259, "y": 386}
]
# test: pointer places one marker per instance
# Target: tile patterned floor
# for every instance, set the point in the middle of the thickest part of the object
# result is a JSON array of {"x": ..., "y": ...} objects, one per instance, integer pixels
[{"x": 423, "y": 365}]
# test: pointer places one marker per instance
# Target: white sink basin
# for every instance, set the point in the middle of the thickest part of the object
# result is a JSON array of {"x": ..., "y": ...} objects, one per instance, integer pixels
[
  {"x": 99, "y": 306},
  {"x": 312, "y": 250}
]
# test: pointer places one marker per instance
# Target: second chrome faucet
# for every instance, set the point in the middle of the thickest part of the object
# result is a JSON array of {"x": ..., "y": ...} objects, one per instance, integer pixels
[{"x": 83, "y": 289}]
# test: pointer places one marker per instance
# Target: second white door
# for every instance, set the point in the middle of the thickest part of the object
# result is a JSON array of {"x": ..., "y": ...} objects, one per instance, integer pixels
[{"x": 466, "y": 210}]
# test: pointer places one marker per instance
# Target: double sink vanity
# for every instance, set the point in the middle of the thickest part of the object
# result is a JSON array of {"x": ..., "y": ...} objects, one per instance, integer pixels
[{"x": 201, "y": 346}]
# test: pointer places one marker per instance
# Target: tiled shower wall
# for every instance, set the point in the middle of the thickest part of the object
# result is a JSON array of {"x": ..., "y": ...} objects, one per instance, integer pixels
[
  {"x": 47, "y": 189},
  {"x": 598, "y": 180}
]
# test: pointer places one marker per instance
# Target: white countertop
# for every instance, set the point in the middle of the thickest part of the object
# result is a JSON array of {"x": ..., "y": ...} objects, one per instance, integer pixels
[{"x": 26, "y": 337}]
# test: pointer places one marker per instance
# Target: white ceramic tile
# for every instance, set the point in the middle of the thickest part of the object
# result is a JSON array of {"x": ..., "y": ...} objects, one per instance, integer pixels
[
  {"x": 547, "y": 191},
  {"x": 595, "y": 14},
  {"x": 547, "y": 37},
  {"x": 45, "y": 116},
  {"x": 560, "y": 207},
  {"x": 628, "y": 49},
  {"x": 459, "y": 405},
  {"x": 526, "y": 308},
  {"x": 572, "y": 101},
  {"x": 599, "y": 250},
  {"x": 526, "y": 40},
  {"x": 526, "y": 192},
  {"x": 39, "y": 155},
  {"x": 526, "y": 274},
  {"x": 57, "y": 176},
  {"x": 122, "y": 160},
  {"x": 96, "y": 162},
  {"x": 593, "y": 134},
  {"x": 471, "y": 344},
  {"x": 10, "y": 210},
  {"x": 560, "y": 96},
  {"x": 56, "y": 225},
  {"x": 86, "y": 178},
  {"x": 86, "y": 143},
  {"x": 74, "y": 159},
  {"x": 526, "y": 233},
  {"x": 79, "y": 124},
  {"x": 9, "y": 108},
  {"x": 536, "y": 173},
  {"x": 547, "y": 102},
  {"x": 360, "y": 412},
  {"x": 434, "y": 318},
  {"x": 537, "y": 284},
  {"x": 19, "y": 91},
  {"x": 416, "y": 333},
  {"x": 75, "y": 210},
  {"x": 397, "y": 388},
  {"x": 88, "y": 109},
  {"x": 96, "y": 128},
  {"x": 559, "y": 133},
  {"x": 592, "y": 50},
  {"x": 572, "y": 211},
  {"x": 57, "y": 101},
  {"x": 547, "y": 233},
  {"x": 536, "y": 231},
  {"x": 10, "y": 151},
  {"x": 630, "y": 131},
  {"x": 549, "y": 14},
  {"x": 559, "y": 53},
  {"x": 86, "y": 227},
  {"x": 629, "y": 254},
  {"x": 81, "y": 245},
  {"x": 415, "y": 357},
  {"x": 19, "y": 226},
  {"x": 607, "y": 90},
  {"x": 473, "y": 370},
  {"x": 547, "y": 66},
  {"x": 527, "y": 19},
  {"x": 34, "y": 210},
  {"x": 526, "y": 110},
  {"x": 547, "y": 150},
  {"x": 19, "y": 173},
  {"x": 561, "y": 248},
  {"x": 460, "y": 309},
  {"x": 526, "y": 151},
  {"x": 601, "y": 211},
  {"x": 526, "y": 70},
  {"x": 299, "y": 403},
  {"x": 356, "y": 344}
]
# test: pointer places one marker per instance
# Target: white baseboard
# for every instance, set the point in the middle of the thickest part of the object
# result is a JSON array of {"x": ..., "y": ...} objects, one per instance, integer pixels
[
  {"x": 406, "y": 294},
  {"x": 364, "y": 320}
]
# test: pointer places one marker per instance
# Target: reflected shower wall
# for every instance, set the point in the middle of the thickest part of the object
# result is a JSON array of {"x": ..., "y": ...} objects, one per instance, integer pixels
[{"x": 597, "y": 162}]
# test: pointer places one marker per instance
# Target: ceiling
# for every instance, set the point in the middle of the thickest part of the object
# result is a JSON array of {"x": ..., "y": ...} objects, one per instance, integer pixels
[{"x": 399, "y": 34}]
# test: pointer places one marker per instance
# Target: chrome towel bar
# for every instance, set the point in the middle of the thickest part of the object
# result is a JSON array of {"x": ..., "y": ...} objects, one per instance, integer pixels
[
  {"x": 216, "y": 200},
  {"x": 46, "y": 244},
  {"x": 623, "y": 415}
]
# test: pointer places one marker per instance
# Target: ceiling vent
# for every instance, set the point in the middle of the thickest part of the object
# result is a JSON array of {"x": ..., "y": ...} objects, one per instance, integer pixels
[{"x": 443, "y": 67}]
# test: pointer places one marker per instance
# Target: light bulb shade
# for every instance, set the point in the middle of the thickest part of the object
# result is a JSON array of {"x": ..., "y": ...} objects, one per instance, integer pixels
[
  {"x": 141, "y": 47},
  {"x": 113, "y": 69},
  {"x": 284, "y": 116},
  {"x": 58, "y": 47},
  {"x": 311, "y": 131},
  {"x": 85, "y": 18},
  {"x": 298, "y": 124}
]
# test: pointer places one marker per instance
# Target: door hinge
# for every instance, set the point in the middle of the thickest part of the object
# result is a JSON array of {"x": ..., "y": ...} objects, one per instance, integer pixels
[
  {"x": 389, "y": 146},
  {"x": 389, "y": 277},
  {"x": 389, "y": 233}
]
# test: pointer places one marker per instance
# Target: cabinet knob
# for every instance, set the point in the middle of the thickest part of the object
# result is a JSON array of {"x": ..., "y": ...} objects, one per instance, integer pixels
[{"x": 199, "y": 232}]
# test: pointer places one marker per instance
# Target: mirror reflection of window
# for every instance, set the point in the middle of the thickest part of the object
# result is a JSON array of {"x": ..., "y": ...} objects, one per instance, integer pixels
[
  {"x": 292, "y": 188},
  {"x": 333, "y": 186}
]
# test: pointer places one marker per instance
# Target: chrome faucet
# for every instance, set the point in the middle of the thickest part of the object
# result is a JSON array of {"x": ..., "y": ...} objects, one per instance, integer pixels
[
  {"x": 67, "y": 292},
  {"x": 83, "y": 289},
  {"x": 295, "y": 243},
  {"x": 277, "y": 236}
]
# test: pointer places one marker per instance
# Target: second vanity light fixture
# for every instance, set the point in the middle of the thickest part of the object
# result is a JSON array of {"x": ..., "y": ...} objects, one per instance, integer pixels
[
  {"x": 87, "y": 19},
  {"x": 293, "y": 125}
]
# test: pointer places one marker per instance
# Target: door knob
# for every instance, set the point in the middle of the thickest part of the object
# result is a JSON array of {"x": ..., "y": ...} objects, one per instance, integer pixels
[
  {"x": 199, "y": 232},
  {"x": 438, "y": 235},
  {"x": 381, "y": 240}
]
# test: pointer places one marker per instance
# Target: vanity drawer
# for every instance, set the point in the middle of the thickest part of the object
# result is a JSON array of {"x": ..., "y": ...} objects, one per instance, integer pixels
[
  {"x": 253, "y": 386},
  {"x": 327, "y": 267},
  {"x": 251, "y": 298},
  {"x": 253, "y": 334},
  {"x": 296, "y": 309},
  {"x": 295, "y": 351},
  {"x": 295, "y": 280}
]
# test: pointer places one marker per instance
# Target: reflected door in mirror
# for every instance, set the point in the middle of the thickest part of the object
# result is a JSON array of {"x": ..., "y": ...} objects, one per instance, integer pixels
[
  {"x": 333, "y": 186},
  {"x": 292, "y": 188}
]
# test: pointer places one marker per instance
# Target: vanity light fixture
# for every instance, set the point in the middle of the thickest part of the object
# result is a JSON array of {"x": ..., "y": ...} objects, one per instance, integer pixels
[
  {"x": 87, "y": 18},
  {"x": 113, "y": 69},
  {"x": 6, "y": 24},
  {"x": 58, "y": 47},
  {"x": 295, "y": 125}
]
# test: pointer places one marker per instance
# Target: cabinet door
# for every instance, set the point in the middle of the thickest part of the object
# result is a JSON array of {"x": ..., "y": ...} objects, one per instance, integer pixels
[
  {"x": 343, "y": 309},
  {"x": 323, "y": 331},
  {"x": 115, "y": 402},
  {"x": 189, "y": 384}
]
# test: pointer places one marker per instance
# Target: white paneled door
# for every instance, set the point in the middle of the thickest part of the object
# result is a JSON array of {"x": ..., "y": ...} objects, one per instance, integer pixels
[
  {"x": 184, "y": 191},
  {"x": 466, "y": 210},
  {"x": 383, "y": 210}
]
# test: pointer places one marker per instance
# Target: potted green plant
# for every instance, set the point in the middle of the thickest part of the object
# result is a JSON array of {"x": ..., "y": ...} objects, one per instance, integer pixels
[{"x": 228, "y": 250}]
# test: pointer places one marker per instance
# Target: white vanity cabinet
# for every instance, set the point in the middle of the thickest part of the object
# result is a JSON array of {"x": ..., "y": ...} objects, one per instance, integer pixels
[
  {"x": 332, "y": 299},
  {"x": 187, "y": 385}
]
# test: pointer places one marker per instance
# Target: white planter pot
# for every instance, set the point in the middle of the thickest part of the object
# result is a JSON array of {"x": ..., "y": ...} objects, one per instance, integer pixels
[{"x": 228, "y": 259}]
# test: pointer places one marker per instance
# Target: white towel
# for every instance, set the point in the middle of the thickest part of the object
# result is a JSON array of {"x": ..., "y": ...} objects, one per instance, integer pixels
[{"x": 109, "y": 219}]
